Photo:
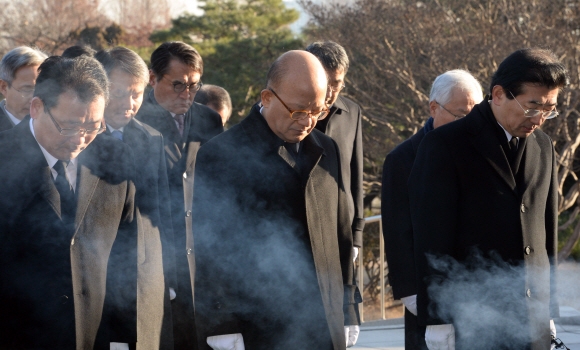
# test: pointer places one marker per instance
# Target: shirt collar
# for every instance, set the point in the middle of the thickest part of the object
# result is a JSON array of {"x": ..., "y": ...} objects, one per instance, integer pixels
[
  {"x": 507, "y": 134},
  {"x": 111, "y": 129},
  {"x": 12, "y": 118}
]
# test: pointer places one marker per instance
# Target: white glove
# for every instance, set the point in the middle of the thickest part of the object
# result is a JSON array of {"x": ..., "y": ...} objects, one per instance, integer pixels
[
  {"x": 552, "y": 333},
  {"x": 354, "y": 253},
  {"x": 226, "y": 342},
  {"x": 119, "y": 346},
  {"x": 172, "y": 294},
  {"x": 411, "y": 303},
  {"x": 440, "y": 337},
  {"x": 351, "y": 334}
]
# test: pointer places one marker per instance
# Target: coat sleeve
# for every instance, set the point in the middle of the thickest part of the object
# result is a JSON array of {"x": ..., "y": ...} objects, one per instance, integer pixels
[
  {"x": 396, "y": 220},
  {"x": 356, "y": 184},
  {"x": 433, "y": 196},
  {"x": 552, "y": 236}
]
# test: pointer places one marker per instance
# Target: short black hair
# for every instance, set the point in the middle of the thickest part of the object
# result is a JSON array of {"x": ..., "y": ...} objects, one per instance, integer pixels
[
  {"x": 82, "y": 75},
  {"x": 530, "y": 66},
  {"x": 186, "y": 54},
  {"x": 332, "y": 55},
  {"x": 124, "y": 59},
  {"x": 78, "y": 50},
  {"x": 215, "y": 95}
]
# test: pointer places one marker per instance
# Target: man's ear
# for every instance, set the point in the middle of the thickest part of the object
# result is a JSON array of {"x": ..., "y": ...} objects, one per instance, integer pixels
[
  {"x": 498, "y": 95},
  {"x": 3, "y": 87},
  {"x": 36, "y": 107},
  {"x": 266, "y": 96},
  {"x": 433, "y": 106},
  {"x": 152, "y": 78}
]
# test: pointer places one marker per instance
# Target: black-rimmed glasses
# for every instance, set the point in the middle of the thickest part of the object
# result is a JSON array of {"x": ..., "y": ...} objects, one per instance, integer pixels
[
  {"x": 301, "y": 115},
  {"x": 75, "y": 131},
  {"x": 531, "y": 113},
  {"x": 457, "y": 116},
  {"x": 180, "y": 87}
]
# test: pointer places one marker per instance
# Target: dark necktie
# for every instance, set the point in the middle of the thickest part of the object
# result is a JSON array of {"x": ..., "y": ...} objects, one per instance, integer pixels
[
  {"x": 513, "y": 153},
  {"x": 67, "y": 197},
  {"x": 117, "y": 134},
  {"x": 179, "y": 118}
]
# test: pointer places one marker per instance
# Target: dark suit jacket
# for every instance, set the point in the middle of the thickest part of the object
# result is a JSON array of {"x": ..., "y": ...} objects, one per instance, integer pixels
[
  {"x": 201, "y": 124},
  {"x": 344, "y": 126},
  {"x": 5, "y": 122},
  {"x": 156, "y": 269},
  {"x": 57, "y": 278},
  {"x": 498, "y": 229},
  {"x": 396, "y": 216},
  {"x": 269, "y": 264}
]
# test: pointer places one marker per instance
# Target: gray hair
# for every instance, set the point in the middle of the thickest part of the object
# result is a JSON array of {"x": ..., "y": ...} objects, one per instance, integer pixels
[
  {"x": 446, "y": 83},
  {"x": 332, "y": 56},
  {"x": 214, "y": 95},
  {"x": 125, "y": 60},
  {"x": 17, "y": 58}
]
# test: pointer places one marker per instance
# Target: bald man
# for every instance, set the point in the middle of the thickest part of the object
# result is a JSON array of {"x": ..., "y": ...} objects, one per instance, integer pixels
[{"x": 269, "y": 205}]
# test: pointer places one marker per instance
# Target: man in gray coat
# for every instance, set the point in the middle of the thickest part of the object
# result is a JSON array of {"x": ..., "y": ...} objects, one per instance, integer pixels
[{"x": 273, "y": 239}]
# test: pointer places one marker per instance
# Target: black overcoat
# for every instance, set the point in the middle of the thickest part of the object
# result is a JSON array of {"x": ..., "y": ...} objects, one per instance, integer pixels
[
  {"x": 57, "y": 278},
  {"x": 5, "y": 122},
  {"x": 491, "y": 236},
  {"x": 273, "y": 241},
  {"x": 156, "y": 255},
  {"x": 200, "y": 125},
  {"x": 344, "y": 126}
]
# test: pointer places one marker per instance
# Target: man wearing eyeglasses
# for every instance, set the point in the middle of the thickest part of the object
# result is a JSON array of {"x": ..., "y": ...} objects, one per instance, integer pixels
[
  {"x": 18, "y": 72},
  {"x": 67, "y": 218},
  {"x": 483, "y": 196},
  {"x": 175, "y": 75},
  {"x": 453, "y": 94},
  {"x": 273, "y": 238}
]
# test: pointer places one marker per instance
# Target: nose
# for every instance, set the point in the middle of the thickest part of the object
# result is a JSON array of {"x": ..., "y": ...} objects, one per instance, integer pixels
[
  {"x": 185, "y": 94},
  {"x": 77, "y": 139},
  {"x": 306, "y": 122},
  {"x": 538, "y": 120}
]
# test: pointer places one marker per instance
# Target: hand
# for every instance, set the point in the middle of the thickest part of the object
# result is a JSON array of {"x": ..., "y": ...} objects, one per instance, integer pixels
[
  {"x": 354, "y": 253},
  {"x": 119, "y": 346},
  {"x": 553, "y": 334},
  {"x": 226, "y": 342},
  {"x": 411, "y": 303},
  {"x": 440, "y": 337},
  {"x": 351, "y": 334}
]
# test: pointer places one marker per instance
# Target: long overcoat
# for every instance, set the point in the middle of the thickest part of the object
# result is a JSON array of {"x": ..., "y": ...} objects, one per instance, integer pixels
[
  {"x": 485, "y": 235},
  {"x": 273, "y": 240},
  {"x": 62, "y": 285}
]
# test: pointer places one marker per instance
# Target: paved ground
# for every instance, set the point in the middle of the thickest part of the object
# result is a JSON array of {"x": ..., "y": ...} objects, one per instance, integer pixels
[{"x": 389, "y": 334}]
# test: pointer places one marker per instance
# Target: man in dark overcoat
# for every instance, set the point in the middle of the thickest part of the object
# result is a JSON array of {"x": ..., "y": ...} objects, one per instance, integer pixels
[
  {"x": 273, "y": 240},
  {"x": 453, "y": 95},
  {"x": 128, "y": 76},
  {"x": 175, "y": 75},
  {"x": 483, "y": 195},
  {"x": 68, "y": 227},
  {"x": 344, "y": 126}
]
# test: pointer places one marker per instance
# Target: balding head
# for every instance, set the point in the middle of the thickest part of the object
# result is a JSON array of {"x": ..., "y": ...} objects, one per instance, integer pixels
[{"x": 297, "y": 78}]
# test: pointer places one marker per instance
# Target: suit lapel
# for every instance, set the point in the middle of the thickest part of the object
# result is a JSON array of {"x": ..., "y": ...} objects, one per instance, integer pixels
[
  {"x": 48, "y": 190},
  {"x": 485, "y": 141},
  {"x": 311, "y": 154},
  {"x": 532, "y": 161},
  {"x": 86, "y": 185}
]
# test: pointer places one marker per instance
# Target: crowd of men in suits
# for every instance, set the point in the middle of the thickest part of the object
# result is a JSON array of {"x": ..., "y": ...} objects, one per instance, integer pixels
[
  {"x": 98, "y": 215},
  {"x": 105, "y": 187}
]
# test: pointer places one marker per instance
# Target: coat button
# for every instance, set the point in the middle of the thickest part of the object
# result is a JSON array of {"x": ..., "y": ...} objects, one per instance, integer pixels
[
  {"x": 188, "y": 213},
  {"x": 63, "y": 299},
  {"x": 189, "y": 251},
  {"x": 529, "y": 293},
  {"x": 523, "y": 208},
  {"x": 185, "y": 175},
  {"x": 72, "y": 242},
  {"x": 528, "y": 250}
]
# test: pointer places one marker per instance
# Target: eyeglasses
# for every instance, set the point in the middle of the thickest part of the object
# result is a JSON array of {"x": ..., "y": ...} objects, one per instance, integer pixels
[
  {"x": 300, "y": 115},
  {"x": 336, "y": 88},
  {"x": 75, "y": 131},
  {"x": 180, "y": 87},
  {"x": 457, "y": 116},
  {"x": 531, "y": 113},
  {"x": 25, "y": 92}
]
